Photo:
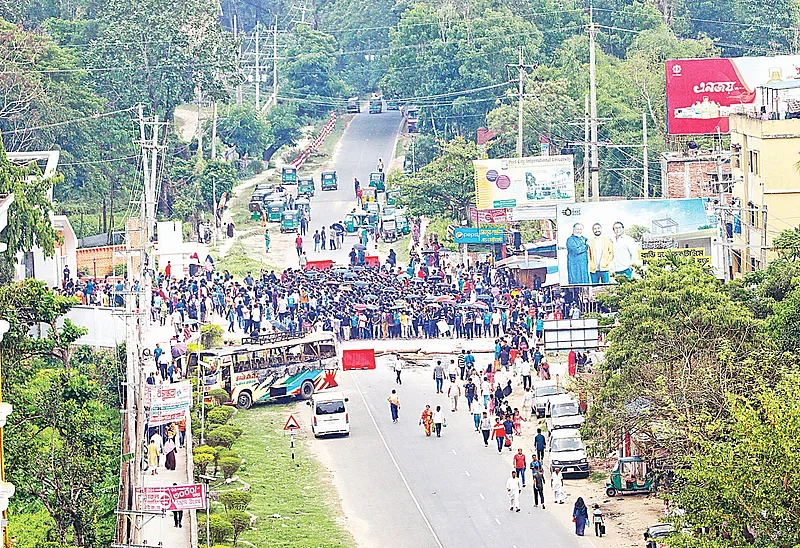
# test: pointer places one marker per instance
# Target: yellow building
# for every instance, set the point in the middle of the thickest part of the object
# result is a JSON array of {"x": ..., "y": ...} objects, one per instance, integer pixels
[{"x": 766, "y": 180}]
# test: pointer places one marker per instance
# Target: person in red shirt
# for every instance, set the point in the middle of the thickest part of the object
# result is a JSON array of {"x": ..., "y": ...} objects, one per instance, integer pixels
[
  {"x": 298, "y": 245},
  {"x": 499, "y": 434},
  {"x": 519, "y": 465}
]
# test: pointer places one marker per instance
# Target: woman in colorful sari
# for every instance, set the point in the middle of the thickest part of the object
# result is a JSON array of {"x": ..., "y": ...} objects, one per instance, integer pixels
[{"x": 427, "y": 419}]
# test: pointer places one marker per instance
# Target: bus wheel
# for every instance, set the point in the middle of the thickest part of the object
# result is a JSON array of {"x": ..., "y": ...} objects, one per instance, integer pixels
[
  {"x": 244, "y": 401},
  {"x": 306, "y": 390}
]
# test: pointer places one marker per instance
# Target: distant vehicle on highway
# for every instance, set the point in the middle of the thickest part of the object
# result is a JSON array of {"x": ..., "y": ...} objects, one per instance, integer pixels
[
  {"x": 353, "y": 105},
  {"x": 375, "y": 106},
  {"x": 276, "y": 366}
]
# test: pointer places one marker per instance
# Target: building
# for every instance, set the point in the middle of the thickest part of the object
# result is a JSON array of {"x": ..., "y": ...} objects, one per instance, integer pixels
[
  {"x": 695, "y": 173},
  {"x": 765, "y": 140},
  {"x": 34, "y": 263},
  {"x": 5, "y": 203}
]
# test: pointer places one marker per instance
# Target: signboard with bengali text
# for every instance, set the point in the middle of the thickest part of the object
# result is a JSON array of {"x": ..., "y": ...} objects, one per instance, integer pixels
[
  {"x": 504, "y": 183},
  {"x": 167, "y": 499},
  {"x": 168, "y": 397}
]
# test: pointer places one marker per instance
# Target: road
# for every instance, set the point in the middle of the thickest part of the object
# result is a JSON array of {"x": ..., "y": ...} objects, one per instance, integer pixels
[
  {"x": 367, "y": 138},
  {"x": 400, "y": 488}
]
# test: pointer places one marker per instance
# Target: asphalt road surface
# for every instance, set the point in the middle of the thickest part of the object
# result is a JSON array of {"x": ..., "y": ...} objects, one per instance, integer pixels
[
  {"x": 402, "y": 489},
  {"x": 369, "y": 137}
]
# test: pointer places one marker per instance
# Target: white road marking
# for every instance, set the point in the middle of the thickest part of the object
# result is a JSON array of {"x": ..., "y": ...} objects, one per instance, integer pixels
[
  {"x": 466, "y": 472},
  {"x": 513, "y": 546},
  {"x": 397, "y": 466},
  {"x": 454, "y": 451},
  {"x": 481, "y": 496},
  {"x": 497, "y": 520}
]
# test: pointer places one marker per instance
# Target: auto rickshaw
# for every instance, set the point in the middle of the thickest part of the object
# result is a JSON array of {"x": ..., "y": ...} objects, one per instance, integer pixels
[
  {"x": 389, "y": 229},
  {"x": 289, "y": 175},
  {"x": 303, "y": 205},
  {"x": 354, "y": 221},
  {"x": 377, "y": 179},
  {"x": 392, "y": 197},
  {"x": 402, "y": 225},
  {"x": 329, "y": 180},
  {"x": 256, "y": 204},
  {"x": 274, "y": 211},
  {"x": 392, "y": 105},
  {"x": 630, "y": 476},
  {"x": 305, "y": 186},
  {"x": 290, "y": 220}
]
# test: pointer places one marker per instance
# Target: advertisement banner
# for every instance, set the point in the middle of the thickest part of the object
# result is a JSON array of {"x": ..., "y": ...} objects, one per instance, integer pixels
[
  {"x": 159, "y": 418},
  {"x": 599, "y": 240},
  {"x": 514, "y": 182},
  {"x": 696, "y": 254},
  {"x": 168, "y": 397},
  {"x": 487, "y": 235},
  {"x": 167, "y": 499},
  {"x": 488, "y": 216},
  {"x": 701, "y": 92},
  {"x": 533, "y": 213}
]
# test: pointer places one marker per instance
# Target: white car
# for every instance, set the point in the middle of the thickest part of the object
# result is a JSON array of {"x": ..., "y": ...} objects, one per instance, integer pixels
[
  {"x": 567, "y": 452},
  {"x": 564, "y": 413},
  {"x": 329, "y": 414},
  {"x": 542, "y": 392}
]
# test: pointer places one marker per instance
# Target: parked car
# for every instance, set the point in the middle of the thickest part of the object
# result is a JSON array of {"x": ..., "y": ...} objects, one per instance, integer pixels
[
  {"x": 655, "y": 535},
  {"x": 568, "y": 453},
  {"x": 542, "y": 392},
  {"x": 564, "y": 413}
]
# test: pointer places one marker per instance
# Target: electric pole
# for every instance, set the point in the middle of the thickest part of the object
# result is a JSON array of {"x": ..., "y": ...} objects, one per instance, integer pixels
[
  {"x": 593, "y": 110},
  {"x": 199, "y": 124},
  {"x": 214, "y": 134},
  {"x": 258, "y": 66},
  {"x": 645, "y": 172},
  {"x": 274, "y": 100},
  {"x": 523, "y": 72},
  {"x": 586, "y": 158},
  {"x": 239, "y": 98}
]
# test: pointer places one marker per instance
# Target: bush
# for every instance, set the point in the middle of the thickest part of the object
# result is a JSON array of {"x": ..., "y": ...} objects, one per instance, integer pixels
[
  {"x": 239, "y": 521},
  {"x": 120, "y": 270},
  {"x": 219, "y": 438},
  {"x": 219, "y": 527},
  {"x": 211, "y": 335},
  {"x": 219, "y": 396},
  {"x": 254, "y": 167},
  {"x": 201, "y": 462},
  {"x": 229, "y": 466},
  {"x": 235, "y": 500},
  {"x": 220, "y": 546},
  {"x": 235, "y": 431},
  {"x": 200, "y": 449},
  {"x": 217, "y": 416}
]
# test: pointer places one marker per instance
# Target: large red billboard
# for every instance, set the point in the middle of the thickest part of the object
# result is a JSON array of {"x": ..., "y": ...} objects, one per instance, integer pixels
[{"x": 701, "y": 92}]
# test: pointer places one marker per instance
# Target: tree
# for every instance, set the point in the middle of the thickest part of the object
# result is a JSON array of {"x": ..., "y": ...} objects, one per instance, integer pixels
[
  {"x": 679, "y": 347},
  {"x": 787, "y": 244},
  {"x": 284, "y": 124},
  {"x": 235, "y": 500},
  {"x": 746, "y": 483},
  {"x": 240, "y": 523},
  {"x": 243, "y": 127},
  {"x": 445, "y": 186}
]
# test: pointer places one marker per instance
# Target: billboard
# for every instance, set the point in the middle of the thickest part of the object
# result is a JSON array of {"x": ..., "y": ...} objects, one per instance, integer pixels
[
  {"x": 599, "y": 240},
  {"x": 487, "y": 235},
  {"x": 487, "y": 216},
  {"x": 701, "y": 92},
  {"x": 513, "y": 182},
  {"x": 167, "y": 499}
]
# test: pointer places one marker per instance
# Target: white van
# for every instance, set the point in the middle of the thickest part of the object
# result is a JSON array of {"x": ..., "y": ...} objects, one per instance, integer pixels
[
  {"x": 568, "y": 453},
  {"x": 329, "y": 414},
  {"x": 564, "y": 413}
]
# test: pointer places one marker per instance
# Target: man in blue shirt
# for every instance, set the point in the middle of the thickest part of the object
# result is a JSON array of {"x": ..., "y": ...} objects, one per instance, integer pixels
[
  {"x": 537, "y": 358},
  {"x": 539, "y": 442}
]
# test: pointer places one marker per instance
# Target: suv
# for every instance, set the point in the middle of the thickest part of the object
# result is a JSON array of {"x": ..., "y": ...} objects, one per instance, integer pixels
[
  {"x": 564, "y": 413},
  {"x": 568, "y": 453},
  {"x": 542, "y": 392}
]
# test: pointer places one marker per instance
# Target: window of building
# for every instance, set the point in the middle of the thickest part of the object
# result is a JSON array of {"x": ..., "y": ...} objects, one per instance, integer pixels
[{"x": 752, "y": 160}]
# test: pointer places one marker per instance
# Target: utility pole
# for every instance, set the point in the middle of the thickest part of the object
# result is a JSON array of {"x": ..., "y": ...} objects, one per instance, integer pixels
[
  {"x": 258, "y": 66},
  {"x": 593, "y": 109},
  {"x": 214, "y": 134},
  {"x": 586, "y": 158},
  {"x": 275, "y": 61},
  {"x": 199, "y": 124},
  {"x": 646, "y": 175},
  {"x": 764, "y": 216},
  {"x": 239, "y": 99},
  {"x": 522, "y": 68}
]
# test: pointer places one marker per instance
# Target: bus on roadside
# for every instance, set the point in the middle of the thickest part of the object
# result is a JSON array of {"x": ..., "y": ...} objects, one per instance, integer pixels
[{"x": 258, "y": 371}]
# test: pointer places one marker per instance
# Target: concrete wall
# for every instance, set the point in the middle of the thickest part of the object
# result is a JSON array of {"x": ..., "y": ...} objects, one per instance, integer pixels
[{"x": 106, "y": 327}]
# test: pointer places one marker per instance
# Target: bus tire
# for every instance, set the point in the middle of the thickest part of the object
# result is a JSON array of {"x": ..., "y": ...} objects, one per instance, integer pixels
[
  {"x": 306, "y": 390},
  {"x": 244, "y": 400}
]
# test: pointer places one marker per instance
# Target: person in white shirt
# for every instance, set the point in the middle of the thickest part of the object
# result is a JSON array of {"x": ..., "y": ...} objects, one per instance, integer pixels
[
  {"x": 453, "y": 392},
  {"x": 452, "y": 371},
  {"x": 514, "y": 488},
  {"x": 625, "y": 251},
  {"x": 438, "y": 421},
  {"x": 496, "y": 323},
  {"x": 527, "y": 401},
  {"x": 525, "y": 372},
  {"x": 398, "y": 368},
  {"x": 486, "y": 391}
]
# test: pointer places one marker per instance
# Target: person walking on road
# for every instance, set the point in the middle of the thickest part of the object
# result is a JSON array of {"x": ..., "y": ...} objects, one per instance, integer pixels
[
  {"x": 513, "y": 488},
  {"x": 486, "y": 428},
  {"x": 580, "y": 515},
  {"x": 508, "y": 424},
  {"x": 499, "y": 434},
  {"x": 177, "y": 515},
  {"x": 599, "y": 523},
  {"x": 469, "y": 393},
  {"x": 539, "y": 443},
  {"x": 398, "y": 368},
  {"x": 537, "y": 479},
  {"x": 152, "y": 457},
  {"x": 454, "y": 392},
  {"x": 453, "y": 371},
  {"x": 519, "y": 465},
  {"x": 426, "y": 420},
  {"x": 477, "y": 412},
  {"x": 438, "y": 376},
  {"x": 557, "y": 482},
  {"x": 298, "y": 245},
  {"x": 394, "y": 405},
  {"x": 438, "y": 421}
]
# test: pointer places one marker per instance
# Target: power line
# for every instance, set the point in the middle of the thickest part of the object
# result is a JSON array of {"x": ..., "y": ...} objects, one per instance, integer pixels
[{"x": 67, "y": 122}]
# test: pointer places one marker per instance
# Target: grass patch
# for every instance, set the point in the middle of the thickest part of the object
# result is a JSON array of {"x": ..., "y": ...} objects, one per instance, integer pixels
[
  {"x": 598, "y": 477},
  {"x": 296, "y": 491},
  {"x": 400, "y": 248},
  {"x": 239, "y": 262}
]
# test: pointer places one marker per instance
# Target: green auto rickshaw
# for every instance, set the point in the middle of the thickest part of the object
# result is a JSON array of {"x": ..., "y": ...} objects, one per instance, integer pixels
[
  {"x": 377, "y": 179},
  {"x": 290, "y": 220},
  {"x": 402, "y": 225},
  {"x": 392, "y": 196},
  {"x": 354, "y": 221},
  {"x": 289, "y": 175},
  {"x": 303, "y": 206},
  {"x": 305, "y": 186},
  {"x": 630, "y": 476},
  {"x": 274, "y": 211},
  {"x": 329, "y": 180}
]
